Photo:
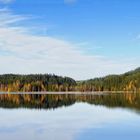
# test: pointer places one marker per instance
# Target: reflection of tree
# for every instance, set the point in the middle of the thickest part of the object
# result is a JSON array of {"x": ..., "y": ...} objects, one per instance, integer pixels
[{"x": 39, "y": 101}]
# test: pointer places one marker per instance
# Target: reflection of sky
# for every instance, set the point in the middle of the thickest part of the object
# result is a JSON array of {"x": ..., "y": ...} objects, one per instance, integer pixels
[{"x": 80, "y": 122}]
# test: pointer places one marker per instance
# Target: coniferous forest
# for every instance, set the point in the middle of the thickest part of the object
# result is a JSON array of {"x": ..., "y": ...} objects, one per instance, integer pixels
[{"x": 129, "y": 81}]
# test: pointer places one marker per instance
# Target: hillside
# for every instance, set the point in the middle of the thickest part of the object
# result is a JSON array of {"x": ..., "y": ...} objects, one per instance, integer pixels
[
  {"x": 36, "y": 82},
  {"x": 129, "y": 81}
]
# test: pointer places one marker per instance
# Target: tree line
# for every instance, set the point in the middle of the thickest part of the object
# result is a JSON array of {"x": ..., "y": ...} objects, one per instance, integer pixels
[
  {"x": 36, "y": 82},
  {"x": 129, "y": 81}
]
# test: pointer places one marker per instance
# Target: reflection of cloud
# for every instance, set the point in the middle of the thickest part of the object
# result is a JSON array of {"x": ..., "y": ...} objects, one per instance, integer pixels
[
  {"x": 7, "y": 130},
  {"x": 62, "y": 123}
]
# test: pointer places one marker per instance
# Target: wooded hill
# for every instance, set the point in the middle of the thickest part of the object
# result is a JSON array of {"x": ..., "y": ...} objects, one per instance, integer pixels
[
  {"x": 129, "y": 81},
  {"x": 36, "y": 82}
]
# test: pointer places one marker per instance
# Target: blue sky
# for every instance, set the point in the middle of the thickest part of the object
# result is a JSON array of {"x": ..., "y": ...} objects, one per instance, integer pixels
[{"x": 78, "y": 38}]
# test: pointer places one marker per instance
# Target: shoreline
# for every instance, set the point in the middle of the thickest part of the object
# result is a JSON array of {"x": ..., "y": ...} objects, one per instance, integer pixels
[{"x": 72, "y": 92}]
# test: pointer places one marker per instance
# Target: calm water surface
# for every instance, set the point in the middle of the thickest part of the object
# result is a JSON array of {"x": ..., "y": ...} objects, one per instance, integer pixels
[{"x": 70, "y": 117}]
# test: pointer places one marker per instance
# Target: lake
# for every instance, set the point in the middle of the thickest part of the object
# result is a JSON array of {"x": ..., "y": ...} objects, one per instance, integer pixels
[{"x": 70, "y": 116}]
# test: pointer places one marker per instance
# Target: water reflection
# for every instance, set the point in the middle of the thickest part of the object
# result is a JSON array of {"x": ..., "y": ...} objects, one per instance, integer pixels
[
  {"x": 51, "y": 101},
  {"x": 77, "y": 117}
]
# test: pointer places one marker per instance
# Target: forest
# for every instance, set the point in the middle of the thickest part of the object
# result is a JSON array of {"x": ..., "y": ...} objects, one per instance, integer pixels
[
  {"x": 36, "y": 83},
  {"x": 129, "y": 81}
]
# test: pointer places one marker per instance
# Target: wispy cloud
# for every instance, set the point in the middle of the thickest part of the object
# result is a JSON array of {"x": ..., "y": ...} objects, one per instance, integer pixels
[
  {"x": 137, "y": 37},
  {"x": 7, "y": 18},
  {"x": 6, "y": 1},
  {"x": 23, "y": 52}
]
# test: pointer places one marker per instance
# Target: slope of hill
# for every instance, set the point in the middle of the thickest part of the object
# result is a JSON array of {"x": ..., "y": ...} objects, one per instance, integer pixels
[
  {"x": 36, "y": 82},
  {"x": 129, "y": 81}
]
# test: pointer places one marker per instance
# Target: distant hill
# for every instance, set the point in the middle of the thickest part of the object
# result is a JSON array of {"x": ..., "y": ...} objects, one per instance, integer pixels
[
  {"x": 36, "y": 82},
  {"x": 129, "y": 81}
]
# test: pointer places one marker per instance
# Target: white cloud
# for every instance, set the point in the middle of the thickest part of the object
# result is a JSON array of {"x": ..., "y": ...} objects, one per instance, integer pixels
[
  {"x": 23, "y": 52},
  {"x": 8, "y": 19}
]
